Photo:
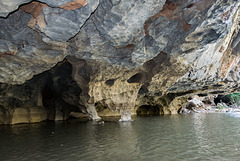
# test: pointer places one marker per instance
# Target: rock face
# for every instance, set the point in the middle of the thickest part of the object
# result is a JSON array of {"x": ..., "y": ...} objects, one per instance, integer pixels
[
  {"x": 8, "y": 6},
  {"x": 77, "y": 55}
]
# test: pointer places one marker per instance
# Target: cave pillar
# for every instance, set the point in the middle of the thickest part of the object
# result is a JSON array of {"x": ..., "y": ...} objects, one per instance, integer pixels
[
  {"x": 166, "y": 110},
  {"x": 123, "y": 103},
  {"x": 125, "y": 115},
  {"x": 81, "y": 74},
  {"x": 92, "y": 112},
  {"x": 89, "y": 104},
  {"x": 176, "y": 104}
]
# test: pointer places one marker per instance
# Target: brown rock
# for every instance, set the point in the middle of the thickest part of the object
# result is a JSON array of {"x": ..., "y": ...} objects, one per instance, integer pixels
[{"x": 74, "y": 5}]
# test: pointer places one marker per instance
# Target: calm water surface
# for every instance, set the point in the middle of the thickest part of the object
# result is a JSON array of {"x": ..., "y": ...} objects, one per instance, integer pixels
[{"x": 175, "y": 137}]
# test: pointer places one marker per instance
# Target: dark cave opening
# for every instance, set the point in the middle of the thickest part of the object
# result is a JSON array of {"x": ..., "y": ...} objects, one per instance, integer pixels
[
  {"x": 148, "y": 110},
  {"x": 137, "y": 78},
  {"x": 48, "y": 101},
  {"x": 47, "y": 97},
  {"x": 110, "y": 82}
]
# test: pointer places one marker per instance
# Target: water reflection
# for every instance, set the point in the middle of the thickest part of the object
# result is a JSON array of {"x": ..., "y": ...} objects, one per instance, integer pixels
[
  {"x": 202, "y": 136},
  {"x": 174, "y": 137},
  {"x": 113, "y": 136},
  {"x": 234, "y": 114},
  {"x": 212, "y": 135}
]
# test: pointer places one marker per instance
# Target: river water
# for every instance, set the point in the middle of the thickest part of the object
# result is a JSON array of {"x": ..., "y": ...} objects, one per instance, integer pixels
[{"x": 200, "y": 136}]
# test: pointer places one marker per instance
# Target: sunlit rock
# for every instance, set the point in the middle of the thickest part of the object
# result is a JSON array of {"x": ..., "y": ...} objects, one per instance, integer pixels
[
  {"x": 125, "y": 115},
  {"x": 92, "y": 112},
  {"x": 29, "y": 115}
]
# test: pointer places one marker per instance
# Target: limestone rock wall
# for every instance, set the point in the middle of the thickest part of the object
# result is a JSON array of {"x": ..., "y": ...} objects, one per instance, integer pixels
[{"x": 117, "y": 54}]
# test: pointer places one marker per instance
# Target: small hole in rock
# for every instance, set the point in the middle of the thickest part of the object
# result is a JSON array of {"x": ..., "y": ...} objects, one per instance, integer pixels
[
  {"x": 137, "y": 78},
  {"x": 202, "y": 94},
  {"x": 191, "y": 5},
  {"x": 110, "y": 82}
]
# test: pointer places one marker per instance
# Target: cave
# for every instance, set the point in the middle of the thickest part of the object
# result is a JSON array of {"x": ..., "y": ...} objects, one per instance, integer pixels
[
  {"x": 48, "y": 101},
  {"x": 47, "y": 97},
  {"x": 92, "y": 59},
  {"x": 222, "y": 99},
  {"x": 83, "y": 50},
  {"x": 148, "y": 110}
]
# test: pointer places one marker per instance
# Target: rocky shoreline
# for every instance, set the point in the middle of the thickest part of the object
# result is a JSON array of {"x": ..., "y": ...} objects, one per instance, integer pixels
[{"x": 212, "y": 109}]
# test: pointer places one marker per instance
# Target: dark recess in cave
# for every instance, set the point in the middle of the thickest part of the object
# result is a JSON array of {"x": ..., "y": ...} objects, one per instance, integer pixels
[
  {"x": 222, "y": 98},
  {"x": 202, "y": 94},
  {"x": 110, "y": 82},
  {"x": 48, "y": 101},
  {"x": 217, "y": 92},
  {"x": 47, "y": 97},
  {"x": 143, "y": 89},
  {"x": 179, "y": 110},
  {"x": 191, "y": 5},
  {"x": 148, "y": 110},
  {"x": 137, "y": 78}
]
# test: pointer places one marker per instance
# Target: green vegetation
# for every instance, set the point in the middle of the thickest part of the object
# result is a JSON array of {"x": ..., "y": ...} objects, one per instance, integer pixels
[{"x": 235, "y": 98}]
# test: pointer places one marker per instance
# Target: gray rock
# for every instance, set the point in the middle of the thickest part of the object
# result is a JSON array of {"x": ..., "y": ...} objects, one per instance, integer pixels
[
  {"x": 7, "y": 6},
  {"x": 63, "y": 24}
]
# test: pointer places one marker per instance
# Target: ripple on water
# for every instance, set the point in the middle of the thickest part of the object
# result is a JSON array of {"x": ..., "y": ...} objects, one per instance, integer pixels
[{"x": 234, "y": 114}]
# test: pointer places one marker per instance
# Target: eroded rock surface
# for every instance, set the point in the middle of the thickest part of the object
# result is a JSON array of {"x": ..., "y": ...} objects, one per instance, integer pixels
[{"x": 118, "y": 55}]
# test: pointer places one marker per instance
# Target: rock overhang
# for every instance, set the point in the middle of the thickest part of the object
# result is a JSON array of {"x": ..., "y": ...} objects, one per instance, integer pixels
[{"x": 122, "y": 51}]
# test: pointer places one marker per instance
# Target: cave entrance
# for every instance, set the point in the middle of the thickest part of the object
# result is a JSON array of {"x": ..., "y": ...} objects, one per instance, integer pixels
[
  {"x": 148, "y": 110},
  {"x": 48, "y": 102},
  {"x": 47, "y": 97}
]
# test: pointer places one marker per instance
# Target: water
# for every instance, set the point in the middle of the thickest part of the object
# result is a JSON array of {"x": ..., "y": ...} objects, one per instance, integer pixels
[{"x": 173, "y": 137}]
